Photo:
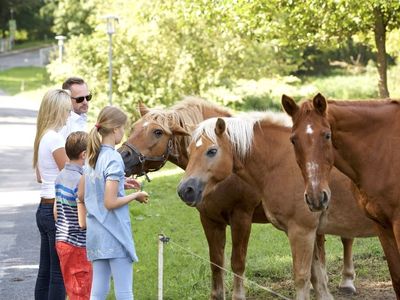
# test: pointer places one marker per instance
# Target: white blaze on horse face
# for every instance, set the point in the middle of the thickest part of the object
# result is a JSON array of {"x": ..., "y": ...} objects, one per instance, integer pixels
[
  {"x": 309, "y": 129},
  {"x": 312, "y": 172},
  {"x": 199, "y": 143}
]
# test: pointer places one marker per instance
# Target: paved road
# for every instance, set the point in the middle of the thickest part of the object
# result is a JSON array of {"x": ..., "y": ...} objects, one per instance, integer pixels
[
  {"x": 23, "y": 58},
  {"x": 19, "y": 194}
]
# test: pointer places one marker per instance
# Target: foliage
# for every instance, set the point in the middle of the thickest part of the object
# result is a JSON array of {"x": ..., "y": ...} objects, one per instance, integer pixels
[
  {"x": 262, "y": 94},
  {"x": 161, "y": 53},
  {"x": 28, "y": 18},
  {"x": 71, "y": 17}
]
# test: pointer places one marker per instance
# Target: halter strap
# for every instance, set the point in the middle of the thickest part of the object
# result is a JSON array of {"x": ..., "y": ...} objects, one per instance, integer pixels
[{"x": 142, "y": 158}]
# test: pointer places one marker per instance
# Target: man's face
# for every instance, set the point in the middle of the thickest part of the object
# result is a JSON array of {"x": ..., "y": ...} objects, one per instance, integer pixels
[{"x": 79, "y": 90}]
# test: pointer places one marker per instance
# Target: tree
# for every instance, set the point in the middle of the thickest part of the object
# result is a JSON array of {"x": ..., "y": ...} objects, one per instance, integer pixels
[
  {"x": 27, "y": 15},
  {"x": 324, "y": 23}
]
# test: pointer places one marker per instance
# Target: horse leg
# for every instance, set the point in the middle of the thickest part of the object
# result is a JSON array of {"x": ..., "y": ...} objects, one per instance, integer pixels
[
  {"x": 348, "y": 274},
  {"x": 302, "y": 245},
  {"x": 240, "y": 231},
  {"x": 319, "y": 277},
  {"x": 216, "y": 237},
  {"x": 392, "y": 253}
]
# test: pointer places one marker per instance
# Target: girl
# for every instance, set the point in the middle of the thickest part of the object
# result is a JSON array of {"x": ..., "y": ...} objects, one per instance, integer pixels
[
  {"x": 109, "y": 242},
  {"x": 49, "y": 158}
]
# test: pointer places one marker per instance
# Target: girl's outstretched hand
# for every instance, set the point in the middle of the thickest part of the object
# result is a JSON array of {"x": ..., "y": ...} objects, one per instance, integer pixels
[
  {"x": 142, "y": 197},
  {"x": 131, "y": 183}
]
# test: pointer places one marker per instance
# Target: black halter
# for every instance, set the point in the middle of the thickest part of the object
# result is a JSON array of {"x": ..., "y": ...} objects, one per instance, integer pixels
[{"x": 150, "y": 159}]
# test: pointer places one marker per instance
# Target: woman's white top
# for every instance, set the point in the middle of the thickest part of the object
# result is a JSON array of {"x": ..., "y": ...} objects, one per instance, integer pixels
[{"x": 48, "y": 168}]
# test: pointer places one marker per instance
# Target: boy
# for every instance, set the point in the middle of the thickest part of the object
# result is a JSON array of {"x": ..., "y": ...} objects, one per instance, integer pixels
[{"x": 70, "y": 237}]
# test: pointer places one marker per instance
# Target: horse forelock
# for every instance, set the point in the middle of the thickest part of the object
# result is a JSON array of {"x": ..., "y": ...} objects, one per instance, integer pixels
[{"x": 239, "y": 130}]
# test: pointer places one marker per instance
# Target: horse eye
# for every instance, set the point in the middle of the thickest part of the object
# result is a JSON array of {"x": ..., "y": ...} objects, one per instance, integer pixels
[
  {"x": 211, "y": 152},
  {"x": 327, "y": 135},
  {"x": 292, "y": 140},
  {"x": 158, "y": 132}
]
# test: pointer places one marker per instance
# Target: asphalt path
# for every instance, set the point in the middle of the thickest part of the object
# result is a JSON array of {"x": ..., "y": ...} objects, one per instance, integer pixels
[
  {"x": 25, "y": 57},
  {"x": 19, "y": 197}
]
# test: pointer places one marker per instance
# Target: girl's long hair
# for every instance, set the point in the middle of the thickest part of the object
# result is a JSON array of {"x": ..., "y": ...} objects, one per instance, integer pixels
[
  {"x": 110, "y": 117},
  {"x": 53, "y": 114}
]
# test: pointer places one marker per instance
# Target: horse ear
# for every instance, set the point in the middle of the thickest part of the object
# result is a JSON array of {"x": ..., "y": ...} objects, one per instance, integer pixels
[
  {"x": 289, "y": 105},
  {"x": 220, "y": 126},
  {"x": 320, "y": 103},
  {"x": 143, "y": 109},
  {"x": 178, "y": 130}
]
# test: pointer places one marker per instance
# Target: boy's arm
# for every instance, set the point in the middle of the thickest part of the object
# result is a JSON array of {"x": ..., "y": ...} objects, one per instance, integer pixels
[{"x": 80, "y": 201}]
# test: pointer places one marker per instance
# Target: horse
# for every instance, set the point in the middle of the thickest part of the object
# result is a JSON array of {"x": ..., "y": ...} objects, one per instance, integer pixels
[
  {"x": 361, "y": 139},
  {"x": 256, "y": 149},
  {"x": 163, "y": 134}
]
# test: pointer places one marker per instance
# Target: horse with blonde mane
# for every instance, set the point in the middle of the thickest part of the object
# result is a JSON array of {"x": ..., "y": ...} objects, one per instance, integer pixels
[
  {"x": 256, "y": 149},
  {"x": 163, "y": 134}
]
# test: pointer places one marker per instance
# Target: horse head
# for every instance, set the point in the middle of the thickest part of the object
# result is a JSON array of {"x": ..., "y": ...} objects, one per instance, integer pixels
[
  {"x": 210, "y": 161},
  {"x": 150, "y": 143},
  {"x": 312, "y": 142}
]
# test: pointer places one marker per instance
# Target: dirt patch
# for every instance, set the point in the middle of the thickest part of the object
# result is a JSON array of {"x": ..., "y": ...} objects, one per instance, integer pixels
[{"x": 368, "y": 290}]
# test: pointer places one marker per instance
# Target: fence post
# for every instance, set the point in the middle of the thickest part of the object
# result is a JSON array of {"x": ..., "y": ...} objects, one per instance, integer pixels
[{"x": 162, "y": 239}]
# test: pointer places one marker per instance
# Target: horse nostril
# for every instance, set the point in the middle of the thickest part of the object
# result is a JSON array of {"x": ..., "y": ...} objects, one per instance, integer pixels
[
  {"x": 189, "y": 191},
  {"x": 307, "y": 199},
  {"x": 325, "y": 198}
]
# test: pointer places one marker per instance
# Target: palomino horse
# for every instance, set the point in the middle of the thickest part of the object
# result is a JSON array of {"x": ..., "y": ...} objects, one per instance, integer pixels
[
  {"x": 361, "y": 139},
  {"x": 256, "y": 149},
  {"x": 161, "y": 135}
]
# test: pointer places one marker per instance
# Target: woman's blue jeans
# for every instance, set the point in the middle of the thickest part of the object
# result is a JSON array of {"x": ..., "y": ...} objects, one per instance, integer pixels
[{"x": 49, "y": 282}]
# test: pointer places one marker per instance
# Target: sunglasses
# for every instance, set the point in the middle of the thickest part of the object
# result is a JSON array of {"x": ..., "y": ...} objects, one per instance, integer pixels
[{"x": 80, "y": 99}]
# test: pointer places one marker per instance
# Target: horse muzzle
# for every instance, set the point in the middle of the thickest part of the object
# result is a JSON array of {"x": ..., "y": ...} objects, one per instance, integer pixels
[
  {"x": 318, "y": 201},
  {"x": 191, "y": 191},
  {"x": 132, "y": 162}
]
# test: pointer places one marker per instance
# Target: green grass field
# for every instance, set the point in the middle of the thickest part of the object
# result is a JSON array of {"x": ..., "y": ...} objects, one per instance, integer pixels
[{"x": 23, "y": 79}]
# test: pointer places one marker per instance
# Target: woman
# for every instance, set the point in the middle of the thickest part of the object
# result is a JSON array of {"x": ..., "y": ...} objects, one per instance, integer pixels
[{"x": 49, "y": 158}]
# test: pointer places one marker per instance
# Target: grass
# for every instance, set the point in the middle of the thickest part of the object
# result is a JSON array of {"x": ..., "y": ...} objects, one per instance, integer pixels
[
  {"x": 186, "y": 267},
  {"x": 23, "y": 79},
  {"x": 33, "y": 44}
]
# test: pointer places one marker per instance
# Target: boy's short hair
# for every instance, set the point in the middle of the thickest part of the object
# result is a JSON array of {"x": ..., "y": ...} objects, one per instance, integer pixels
[{"x": 75, "y": 144}]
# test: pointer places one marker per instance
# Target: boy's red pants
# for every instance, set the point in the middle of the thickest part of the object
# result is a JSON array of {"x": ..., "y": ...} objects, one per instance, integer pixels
[{"x": 76, "y": 270}]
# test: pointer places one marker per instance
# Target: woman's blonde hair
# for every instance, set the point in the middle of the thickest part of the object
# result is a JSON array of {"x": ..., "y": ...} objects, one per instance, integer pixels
[
  {"x": 53, "y": 114},
  {"x": 110, "y": 117}
]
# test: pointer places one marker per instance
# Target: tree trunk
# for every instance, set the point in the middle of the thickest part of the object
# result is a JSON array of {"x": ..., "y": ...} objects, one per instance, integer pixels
[{"x": 380, "y": 42}]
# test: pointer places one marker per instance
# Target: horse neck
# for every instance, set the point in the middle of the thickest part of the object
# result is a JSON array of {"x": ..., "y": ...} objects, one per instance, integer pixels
[
  {"x": 358, "y": 136},
  {"x": 271, "y": 153}
]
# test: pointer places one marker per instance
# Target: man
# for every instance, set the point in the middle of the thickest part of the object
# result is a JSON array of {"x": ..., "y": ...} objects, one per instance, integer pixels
[{"x": 80, "y": 97}]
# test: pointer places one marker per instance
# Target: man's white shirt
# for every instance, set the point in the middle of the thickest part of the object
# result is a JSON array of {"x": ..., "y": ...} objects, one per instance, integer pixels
[{"x": 74, "y": 123}]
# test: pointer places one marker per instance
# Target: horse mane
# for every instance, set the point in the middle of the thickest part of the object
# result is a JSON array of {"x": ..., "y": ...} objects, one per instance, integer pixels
[
  {"x": 187, "y": 113},
  {"x": 240, "y": 129}
]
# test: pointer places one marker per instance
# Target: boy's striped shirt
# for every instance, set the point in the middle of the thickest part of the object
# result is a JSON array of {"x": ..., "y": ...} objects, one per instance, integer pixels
[{"x": 67, "y": 226}]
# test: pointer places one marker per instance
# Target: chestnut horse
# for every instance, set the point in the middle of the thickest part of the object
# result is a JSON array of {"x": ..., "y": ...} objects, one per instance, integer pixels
[
  {"x": 257, "y": 150},
  {"x": 161, "y": 135},
  {"x": 361, "y": 139}
]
